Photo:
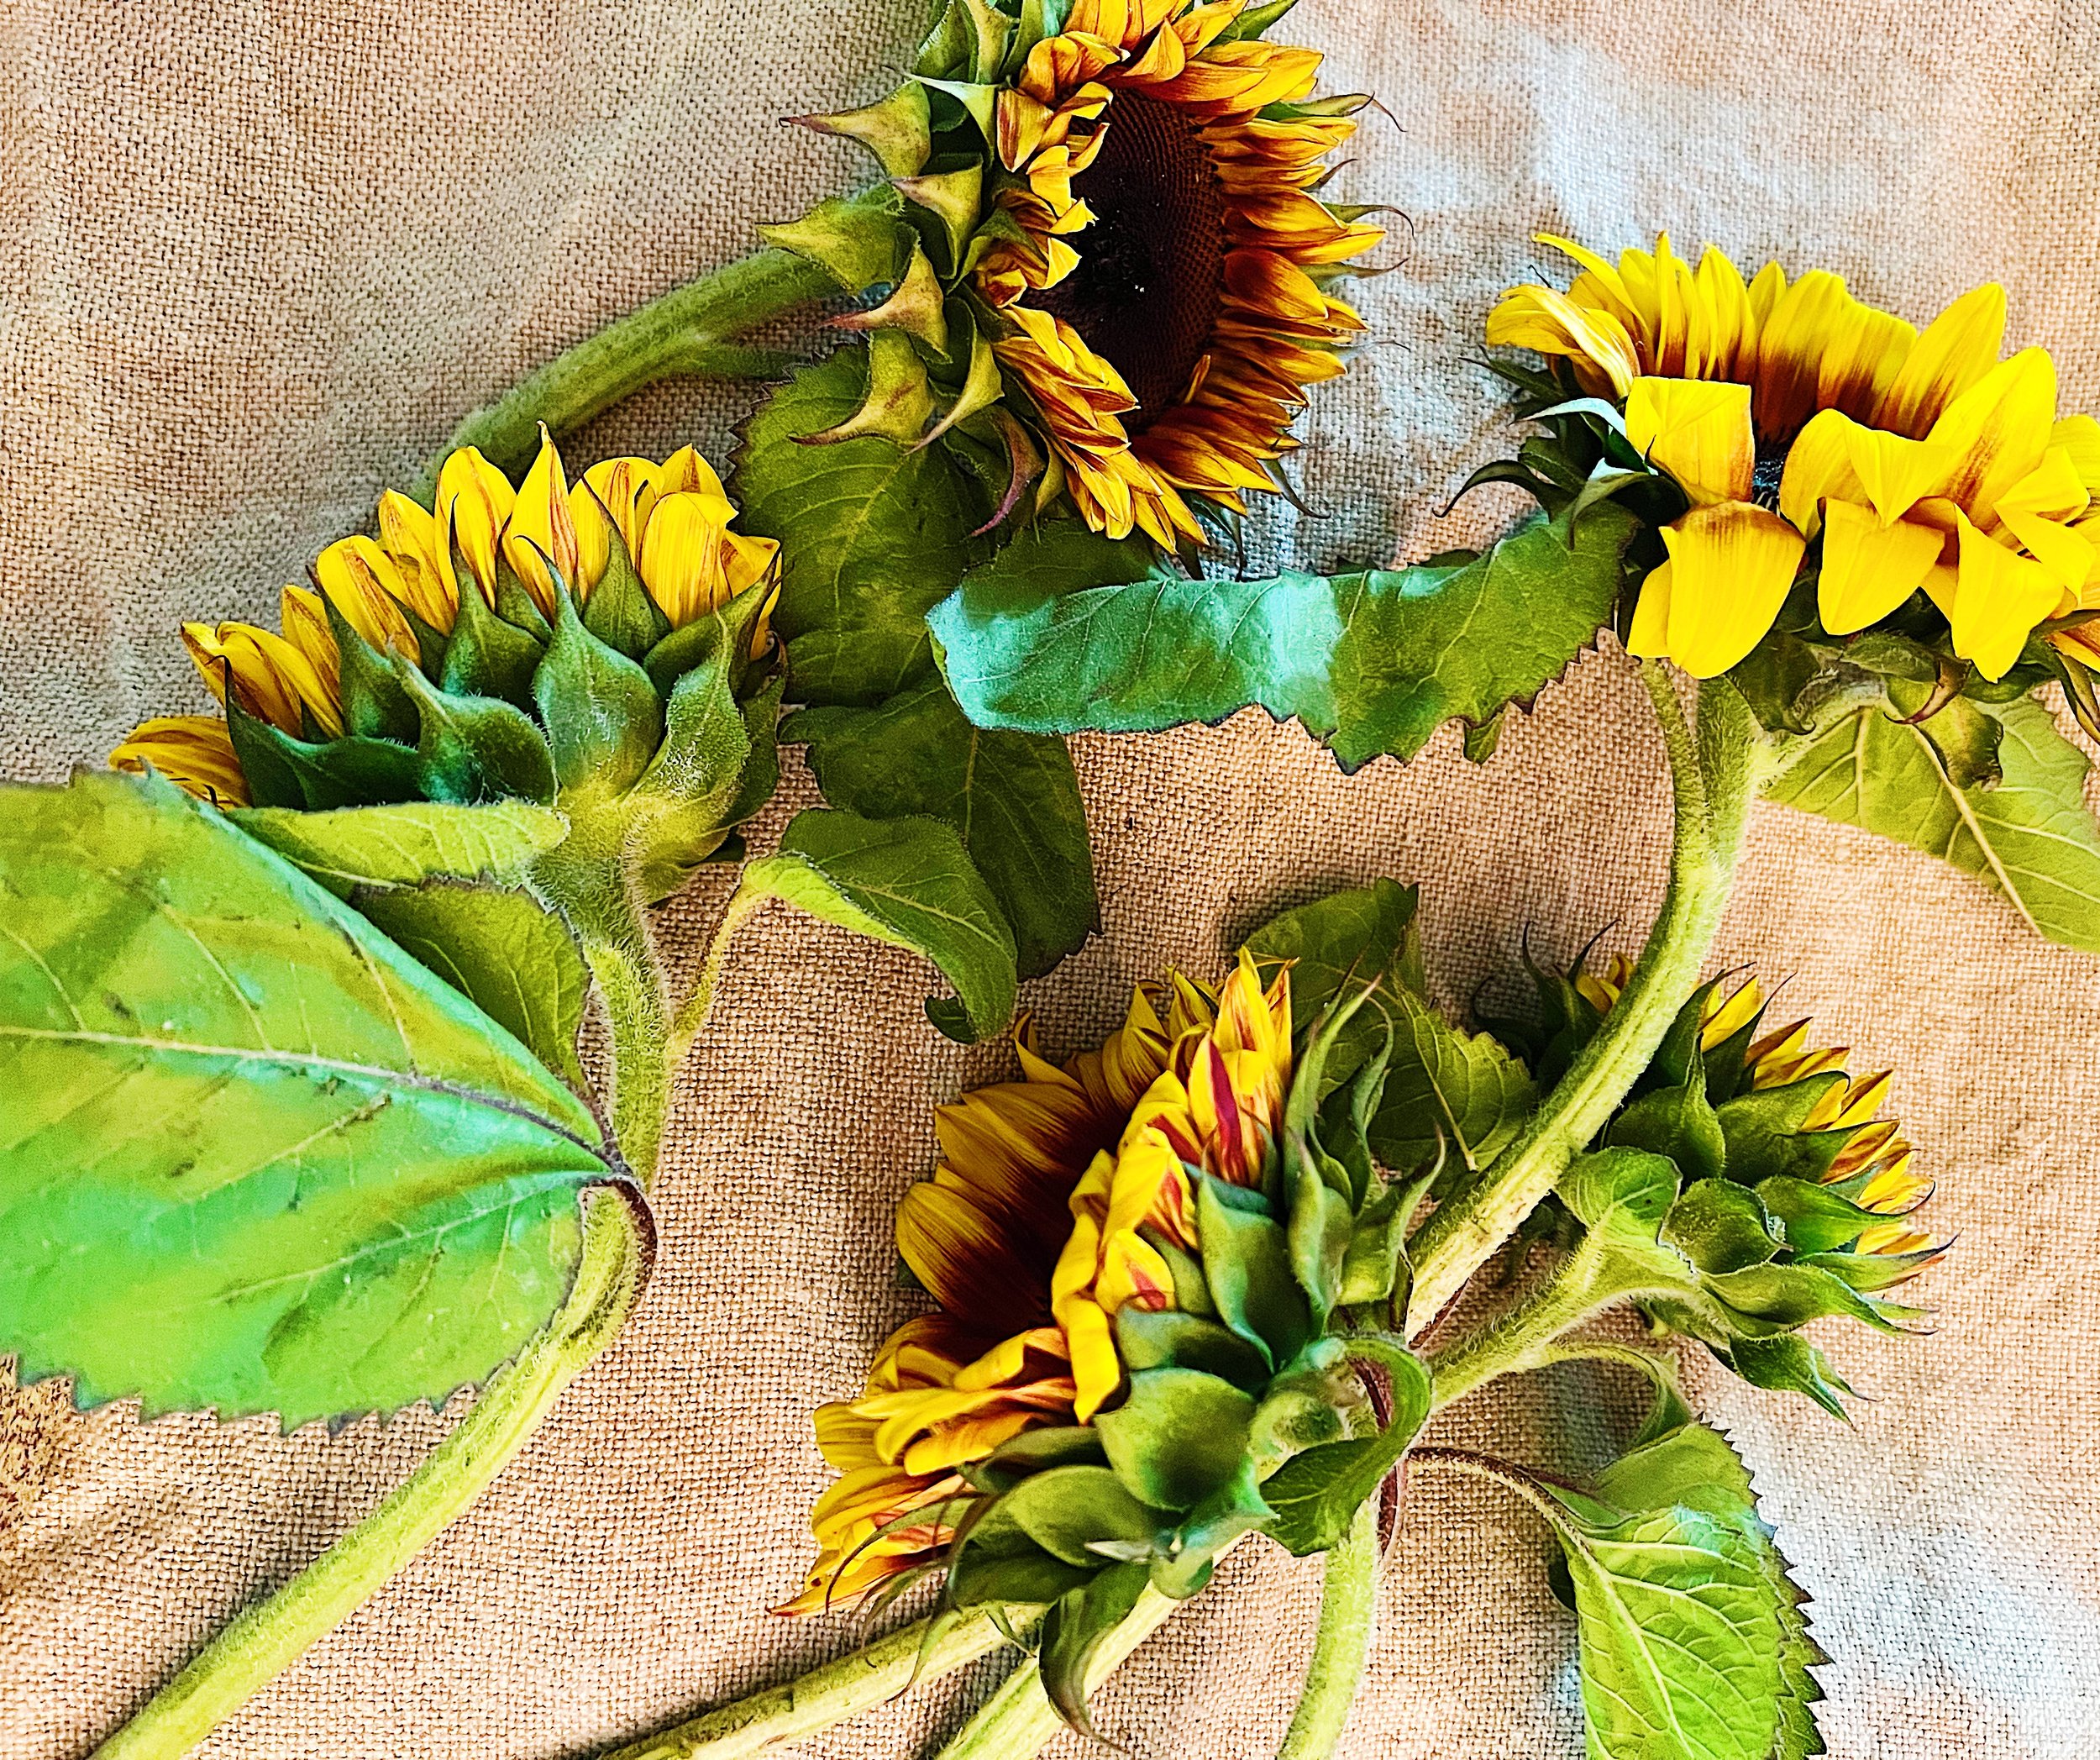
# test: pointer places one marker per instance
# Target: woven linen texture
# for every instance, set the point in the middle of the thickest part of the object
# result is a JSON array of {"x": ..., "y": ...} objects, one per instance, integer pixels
[{"x": 257, "y": 259}]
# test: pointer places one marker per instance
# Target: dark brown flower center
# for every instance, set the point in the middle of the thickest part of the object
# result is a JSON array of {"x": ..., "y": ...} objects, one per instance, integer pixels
[{"x": 1151, "y": 266}]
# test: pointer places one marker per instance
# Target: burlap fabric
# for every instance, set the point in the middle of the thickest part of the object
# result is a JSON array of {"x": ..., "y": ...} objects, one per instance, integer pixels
[{"x": 259, "y": 259}]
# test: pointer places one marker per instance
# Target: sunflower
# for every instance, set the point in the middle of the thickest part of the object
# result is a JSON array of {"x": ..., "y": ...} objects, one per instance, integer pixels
[
  {"x": 397, "y": 597},
  {"x": 1790, "y": 414},
  {"x": 1136, "y": 243},
  {"x": 1873, "y": 1169},
  {"x": 1059, "y": 1199}
]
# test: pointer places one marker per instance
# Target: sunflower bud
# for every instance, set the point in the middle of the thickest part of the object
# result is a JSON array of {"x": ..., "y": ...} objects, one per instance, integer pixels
[
  {"x": 600, "y": 647},
  {"x": 1136, "y": 1259},
  {"x": 1794, "y": 1196}
]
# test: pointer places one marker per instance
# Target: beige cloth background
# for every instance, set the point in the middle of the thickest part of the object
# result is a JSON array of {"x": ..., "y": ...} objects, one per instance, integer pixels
[{"x": 259, "y": 256}]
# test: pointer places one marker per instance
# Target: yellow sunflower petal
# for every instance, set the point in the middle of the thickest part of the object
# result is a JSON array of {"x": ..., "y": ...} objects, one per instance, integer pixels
[
  {"x": 194, "y": 752},
  {"x": 1869, "y": 569},
  {"x": 2080, "y": 437},
  {"x": 1998, "y": 431},
  {"x": 681, "y": 560},
  {"x": 1819, "y": 467},
  {"x": 1957, "y": 349},
  {"x": 1697, "y": 430},
  {"x": 540, "y": 534},
  {"x": 1998, "y": 598},
  {"x": 1649, "y": 638},
  {"x": 1805, "y": 321},
  {"x": 1731, "y": 566},
  {"x": 475, "y": 501},
  {"x": 367, "y": 587}
]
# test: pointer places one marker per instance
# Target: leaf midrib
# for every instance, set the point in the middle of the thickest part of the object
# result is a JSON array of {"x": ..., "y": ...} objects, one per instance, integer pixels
[{"x": 297, "y": 1060}]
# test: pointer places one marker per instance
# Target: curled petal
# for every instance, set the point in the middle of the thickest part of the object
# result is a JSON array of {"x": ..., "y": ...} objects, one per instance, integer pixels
[{"x": 1731, "y": 566}]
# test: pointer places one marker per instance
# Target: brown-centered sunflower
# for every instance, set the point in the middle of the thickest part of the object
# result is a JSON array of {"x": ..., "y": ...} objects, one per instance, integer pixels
[{"x": 1137, "y": 257}]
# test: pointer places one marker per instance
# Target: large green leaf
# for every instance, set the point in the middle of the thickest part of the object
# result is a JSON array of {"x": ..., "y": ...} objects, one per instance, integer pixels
[
  {"x": 872, "y": 535},
  {"x": 2031, "y": 837},
  {"x": 1694, "y": 1645},
  {"x": 1372, "y": 663},
  {"x": 908, "y": 883},
  {"x": 252, "y": 1156},
  {"x": 1012, "y": 797}
]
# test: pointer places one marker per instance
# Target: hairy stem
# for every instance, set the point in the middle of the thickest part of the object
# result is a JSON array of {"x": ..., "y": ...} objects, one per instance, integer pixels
[
  {"x": 1715, "y": 774},
  {"x": 778, "y": 1717},
  {"x": 1018, "y": 1721},
  {"x": 267, "y": 1639},
  {"x": 1525, "y": 1337},
  {"x": 586, "y": 877},
  {"x": 689, "y": 332},
  {"x": 1348, "y": 1616}
]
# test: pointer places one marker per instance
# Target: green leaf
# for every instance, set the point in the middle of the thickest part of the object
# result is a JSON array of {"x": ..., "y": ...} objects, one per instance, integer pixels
[
  {"x": 1013, "y": 797},
  {"x": 500, "y": 949},
  {"x": 1335, "y": 947},
  {"x": 1180, "y": 1436},
  {"x": 2030, "y": 839},
  {"x": 1316, "y": 1495},
  {"x": 478, "y": 748},
  {"x": 601, "y": 714},
  {"x": 1694, "y": 1644},
  {"x": 908, "y": 883},
  {"x": 1067, "y": 1510},
  {"x": 1446, "y": 1091},
  {"x": 1764, "y": 1134},
  {"x": 1678, "y": 1122},
  {"x": 1075, "y": 1628},
  {"x": 872, "y": 535},
  {"x": 1720, "y": 1226},
  {"x": 1622, "y": 1197},
  {"x": 1171, "y": 1339},
  {"x": 407, "y": 844},
  {"x": 1788, "y": 1363},
  {"x": 255, "y": 1157},
  {"x": 1372, "y": 663}
]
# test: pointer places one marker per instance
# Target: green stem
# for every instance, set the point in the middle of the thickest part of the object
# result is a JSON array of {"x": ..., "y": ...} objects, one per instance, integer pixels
[
  {"x": 1525, "y": 1337},
  {"x": 1714, "y": 773},
  {"x": 1348, "y": 1616},
  {"x": 267, "y": 1639},
  {"x": 688, "y": 332},
  {"x": 586, "y": 877},
  {"x": 779, "y": 1716},
  {"x": 1018, "y": 1722}
]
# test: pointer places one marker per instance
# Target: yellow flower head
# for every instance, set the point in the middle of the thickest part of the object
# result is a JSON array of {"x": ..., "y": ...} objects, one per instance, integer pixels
[
  {"x": 1167, "y": 273},
  {"x": 1790, "y": 412},
  {"x": 400, "y": 591},
  {"x": 1137, "y": 286},
  {"x": 1058, "y": 1200}
]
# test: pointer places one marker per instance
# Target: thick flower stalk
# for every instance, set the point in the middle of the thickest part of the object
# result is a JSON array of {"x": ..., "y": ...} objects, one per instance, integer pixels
[
  {"x": 1112, "y": 269},
  {"x": 1920, "y": 482}
]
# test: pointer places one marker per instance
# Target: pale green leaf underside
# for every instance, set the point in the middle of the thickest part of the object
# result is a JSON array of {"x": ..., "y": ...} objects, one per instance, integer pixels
[
  {"x": 1447, "y": 1088},
  {"x": 252, "y": 1156},
  {"x": 2031, "y": 839},
  {"x": 905, "y": 882}
]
